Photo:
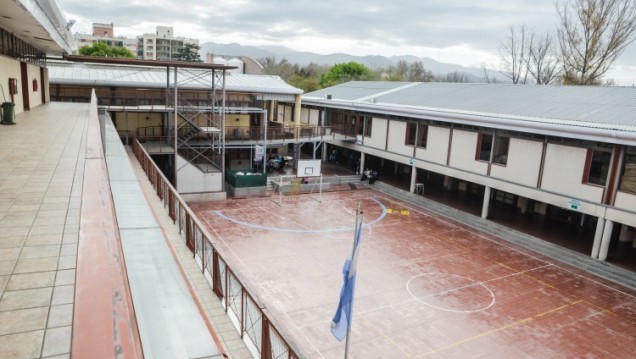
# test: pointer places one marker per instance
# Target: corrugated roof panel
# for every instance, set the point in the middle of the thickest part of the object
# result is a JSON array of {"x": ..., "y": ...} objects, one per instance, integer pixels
[
  {"x": 606, "y": 106},
  {"x": 356, "y": 90},
  {"x": 150, "y": 77}
]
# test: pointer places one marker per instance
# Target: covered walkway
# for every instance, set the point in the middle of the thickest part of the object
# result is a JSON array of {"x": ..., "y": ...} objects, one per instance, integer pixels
[{"x": 64, "y": 279}]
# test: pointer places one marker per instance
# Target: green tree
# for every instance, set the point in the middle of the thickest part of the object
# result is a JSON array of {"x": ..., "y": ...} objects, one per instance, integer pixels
[
  {"x": 189, "y": 53},
  {"x": 306, "y": 77},
  {"x": 102, "y": 49},
  {"x": 592, "y": 34},
  {"x": 344, "y": 72}
]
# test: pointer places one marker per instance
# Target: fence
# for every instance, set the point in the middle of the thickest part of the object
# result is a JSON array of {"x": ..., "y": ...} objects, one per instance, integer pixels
[{"x": 255, "y": 328}]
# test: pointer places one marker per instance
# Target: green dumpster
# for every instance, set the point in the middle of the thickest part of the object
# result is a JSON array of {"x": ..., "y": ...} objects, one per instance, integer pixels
[{"x": 7, "y": 113}]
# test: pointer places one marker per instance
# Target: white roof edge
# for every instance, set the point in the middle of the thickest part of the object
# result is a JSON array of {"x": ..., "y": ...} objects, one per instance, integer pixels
[{"x": 56, "y": 28}]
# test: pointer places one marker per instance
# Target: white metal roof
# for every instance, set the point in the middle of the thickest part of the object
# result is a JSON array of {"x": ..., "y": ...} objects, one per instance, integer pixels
[
  {"x": 39, "y": 23},
  {"x": 85, "y": 74},
  {"x": 540, "y": 109}
]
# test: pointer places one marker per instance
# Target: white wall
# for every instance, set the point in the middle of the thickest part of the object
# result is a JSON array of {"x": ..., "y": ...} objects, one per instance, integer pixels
[
  {"x": 397, "y": 137},
  {"x": 524, "y": 162},
  {"x": 191, "y": 180},
  {"x": 304, "y": 115},
  {"x": 378, "y": 134},
  {"x": 563, "y": 173},
  {"x": 35, "y": 97},
  {"x": 436, "y": 145},
  {"x": 10, "y": 68},
  {"x": 309, "y": 116},
  {"x": 463, "y": 149},
  {"x": 288, "y": 117},
  {"x": 314, "y": 117},
  {"x": 625, "y": 200}
]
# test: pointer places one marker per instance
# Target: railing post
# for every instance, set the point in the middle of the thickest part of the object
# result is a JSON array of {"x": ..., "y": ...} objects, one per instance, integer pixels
[
  {"x": 159, "y": 192},
  {"x": 266, "y": 345},
  {"x": 171, "y": 198},
  {"x": 216, "y": 274},
  {"x": 202, "y": 253},
  {"x": 189, "y": 239},
  {"x": 242, "y": 311}
]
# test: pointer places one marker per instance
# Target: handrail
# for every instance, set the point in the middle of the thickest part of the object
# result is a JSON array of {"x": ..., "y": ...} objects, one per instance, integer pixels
[{"x": 245, "y": 311}]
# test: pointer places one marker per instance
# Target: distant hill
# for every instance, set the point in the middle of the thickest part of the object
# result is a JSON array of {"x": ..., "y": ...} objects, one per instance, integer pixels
[{"x": 373, "y": 62}]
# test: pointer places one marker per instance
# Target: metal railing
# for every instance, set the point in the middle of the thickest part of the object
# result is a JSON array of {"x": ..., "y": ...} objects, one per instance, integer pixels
[{"x": 252, "y": 323}]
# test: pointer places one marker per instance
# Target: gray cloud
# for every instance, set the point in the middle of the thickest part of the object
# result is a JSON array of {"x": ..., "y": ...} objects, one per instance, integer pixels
[{"x": 480, "y": 24}]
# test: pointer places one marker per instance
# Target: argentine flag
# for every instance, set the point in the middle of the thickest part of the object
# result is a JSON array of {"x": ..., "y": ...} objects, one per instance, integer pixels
[{"x": 342, "y": 320}]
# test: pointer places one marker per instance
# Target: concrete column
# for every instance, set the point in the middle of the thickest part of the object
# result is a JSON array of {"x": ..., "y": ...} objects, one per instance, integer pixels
[
  {"x": 598, "y": 235},
  {"x": 486, "y": 204},
  {"x": 297, "y": 105},
  {"x": 362, "y": 157},
  {"x": 522, "y": 204},
  {"x": 323, "y": 155},
  {"x": 396, "y": 167},
  {"x": 448, "y": 182},
  {"x": 625, "y": 235},
  {"x": 413, "y": 178},
  {"x": 605, "y": 241}
]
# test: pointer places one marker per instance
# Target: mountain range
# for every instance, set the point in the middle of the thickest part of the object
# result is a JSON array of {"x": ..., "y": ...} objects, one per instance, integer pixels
[{"x": 373, "y": 61}]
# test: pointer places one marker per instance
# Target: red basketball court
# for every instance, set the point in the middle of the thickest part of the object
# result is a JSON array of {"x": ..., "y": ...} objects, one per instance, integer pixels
[{"x": 427, "y": 286}]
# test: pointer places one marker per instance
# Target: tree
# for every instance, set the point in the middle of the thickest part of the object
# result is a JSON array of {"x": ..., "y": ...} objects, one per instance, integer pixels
[
  {"x": 455, "y": 76},
  {"x": 102, "y": 49},
  {"x": 543, "y": 64},
  {"x": 344, "y": 72},
  {"x": 514, "y": 55},
  {"x": 189, "y": 53},
  {"x": 418, "y": 73},
  {"x": 305, "y": 77},
  {"x": 592, "y": 35}
]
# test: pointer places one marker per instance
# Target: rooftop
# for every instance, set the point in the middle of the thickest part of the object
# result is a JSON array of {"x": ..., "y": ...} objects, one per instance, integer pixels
[
  {"x": 604, "y": 110},
  {"x": 153, "y": 75}
]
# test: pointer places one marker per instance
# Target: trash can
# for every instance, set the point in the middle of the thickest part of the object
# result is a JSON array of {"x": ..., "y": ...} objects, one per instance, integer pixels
[{"x": 7, "y": 113}]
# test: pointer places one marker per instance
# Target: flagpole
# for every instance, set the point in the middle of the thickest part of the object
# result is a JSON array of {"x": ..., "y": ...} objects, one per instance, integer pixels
[{"x": 355, "y": 236}]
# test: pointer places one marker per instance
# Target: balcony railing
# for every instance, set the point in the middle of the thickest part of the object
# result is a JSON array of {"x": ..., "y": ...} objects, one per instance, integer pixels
[{"x": 247, "y": 314}]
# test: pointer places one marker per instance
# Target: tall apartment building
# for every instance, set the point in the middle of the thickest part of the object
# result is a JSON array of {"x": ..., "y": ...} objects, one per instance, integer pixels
[
  {"x": 106, "y": 33},
  {"x": 162, "y": 45}
]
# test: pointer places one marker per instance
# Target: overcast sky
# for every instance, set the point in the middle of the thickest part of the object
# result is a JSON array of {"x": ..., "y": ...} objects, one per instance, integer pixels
[{"x": 454, "y": 31}]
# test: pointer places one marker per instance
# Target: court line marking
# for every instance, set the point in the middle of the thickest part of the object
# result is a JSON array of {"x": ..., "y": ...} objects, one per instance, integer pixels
[
  {"x": 465, "y": 340},
  {"x": 296, "y": 230},
  {"x": 482, "y": 234},
  {"x": 474, "y": 284}
]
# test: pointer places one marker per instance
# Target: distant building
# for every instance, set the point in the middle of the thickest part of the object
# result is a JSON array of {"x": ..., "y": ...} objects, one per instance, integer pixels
[
  {"x": 245, "y": 65},
  {"x": 105, "y": 33},
  {"x": 162, "y": 45}
]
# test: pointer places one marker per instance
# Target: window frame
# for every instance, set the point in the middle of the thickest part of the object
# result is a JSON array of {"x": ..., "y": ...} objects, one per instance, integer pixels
[
  {"x": 589, "y": 159},
  {"x": 480, "y": 143},
  {"x": 497, "y": 154}
]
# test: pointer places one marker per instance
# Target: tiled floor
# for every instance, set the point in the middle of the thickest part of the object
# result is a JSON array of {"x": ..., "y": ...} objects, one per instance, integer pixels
[{"x": 41, "y": 173}]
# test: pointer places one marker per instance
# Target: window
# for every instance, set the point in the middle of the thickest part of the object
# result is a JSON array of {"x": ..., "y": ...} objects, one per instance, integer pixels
[
  {"x": 367, "y": 122},
  {"x": 411, "y": 129},
  {"x": 628, "y": 172},
  {"x": 598, "y": 163},
  {"x": 416, "y": 134},
  {"x": 500, "y": 155},
  {"x": 484, "y": 147}
]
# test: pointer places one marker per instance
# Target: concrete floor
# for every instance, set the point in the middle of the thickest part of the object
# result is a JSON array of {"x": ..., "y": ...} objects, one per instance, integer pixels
[{"x": 427, "y": 286}]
